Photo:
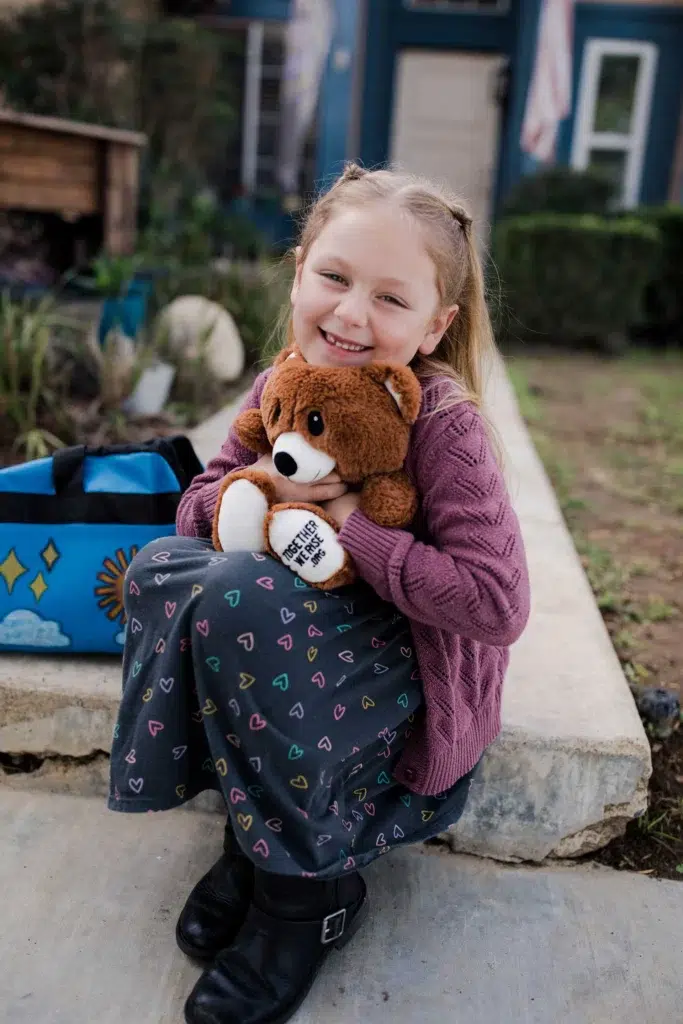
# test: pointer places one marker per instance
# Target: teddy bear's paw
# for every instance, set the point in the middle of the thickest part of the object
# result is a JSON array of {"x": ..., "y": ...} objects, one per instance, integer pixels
[
  {"x": 306, "y": 544},
  {"x": 241, "y": 517}
]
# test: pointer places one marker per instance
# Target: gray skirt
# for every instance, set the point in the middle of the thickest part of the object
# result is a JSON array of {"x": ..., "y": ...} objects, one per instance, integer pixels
[{"x": 293, "y": 703}]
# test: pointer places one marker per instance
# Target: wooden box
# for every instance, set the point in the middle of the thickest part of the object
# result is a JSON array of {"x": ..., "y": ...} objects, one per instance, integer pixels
[{"x": 51, "y": 165}]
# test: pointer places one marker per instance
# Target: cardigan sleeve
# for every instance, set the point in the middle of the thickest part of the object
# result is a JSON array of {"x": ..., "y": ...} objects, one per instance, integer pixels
[
  {"x": 194, "y": 517},
  {"x": 473, "y": 578}
]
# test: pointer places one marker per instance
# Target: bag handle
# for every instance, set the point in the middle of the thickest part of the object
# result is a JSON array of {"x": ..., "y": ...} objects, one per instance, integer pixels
[
  {"x": 67, "y": 468},
  {"x": 178, "y": 451}
]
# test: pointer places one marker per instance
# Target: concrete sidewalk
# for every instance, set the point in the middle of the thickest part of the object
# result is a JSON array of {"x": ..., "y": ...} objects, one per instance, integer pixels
[{"x": 90, "y": 900}]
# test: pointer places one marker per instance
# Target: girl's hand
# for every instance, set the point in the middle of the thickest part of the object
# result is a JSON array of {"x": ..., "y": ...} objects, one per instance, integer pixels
[
  {"x": 341, "y": 508},
  {"x": 327, "y": 489}
]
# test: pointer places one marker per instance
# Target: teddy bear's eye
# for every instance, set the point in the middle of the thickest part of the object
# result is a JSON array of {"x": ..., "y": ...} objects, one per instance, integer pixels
[
  {"x": 315, "y": 424},
  {"x": 276, "y": 412}
]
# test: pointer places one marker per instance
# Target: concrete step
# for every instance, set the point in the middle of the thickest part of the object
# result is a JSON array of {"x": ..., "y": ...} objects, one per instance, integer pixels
[
  {"x": 567, "y": 773},
  {"x": 90, "y": 900}
]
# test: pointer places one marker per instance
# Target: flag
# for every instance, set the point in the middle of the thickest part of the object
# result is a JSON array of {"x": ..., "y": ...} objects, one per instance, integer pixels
[
  {"x": 308, "y": 39},
  {"x": 550, "y": 91}
]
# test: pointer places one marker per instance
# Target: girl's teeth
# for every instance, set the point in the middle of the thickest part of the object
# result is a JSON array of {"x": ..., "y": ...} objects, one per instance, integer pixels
[{"x": 342, "y": 344}]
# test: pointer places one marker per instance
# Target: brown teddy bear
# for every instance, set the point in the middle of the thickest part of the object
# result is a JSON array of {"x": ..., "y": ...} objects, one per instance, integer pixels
[{"x": 313, "y": 420}]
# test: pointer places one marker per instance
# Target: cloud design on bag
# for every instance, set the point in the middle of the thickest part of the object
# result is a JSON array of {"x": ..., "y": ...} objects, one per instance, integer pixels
[
  {"x": 120, "y": 638},
  {"x": 23, "y": 628}
]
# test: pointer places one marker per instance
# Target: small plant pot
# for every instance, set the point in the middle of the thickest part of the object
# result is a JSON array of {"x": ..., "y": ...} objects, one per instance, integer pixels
[
  {"x": 152, "y": 390},
  {"x": 127, "y": 313}
]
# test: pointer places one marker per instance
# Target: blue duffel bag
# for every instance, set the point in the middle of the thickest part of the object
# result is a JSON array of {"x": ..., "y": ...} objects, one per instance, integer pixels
[{"x": 69, "y": 527}]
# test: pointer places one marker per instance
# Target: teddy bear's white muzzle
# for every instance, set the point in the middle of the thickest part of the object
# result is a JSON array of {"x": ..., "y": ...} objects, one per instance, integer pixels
[{"x": 299, "y": 461}]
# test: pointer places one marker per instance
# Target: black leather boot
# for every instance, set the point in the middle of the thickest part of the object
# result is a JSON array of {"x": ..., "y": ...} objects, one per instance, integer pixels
[
  {"x": 291, "y": 927},
  {"x": 217, "y": 906}
]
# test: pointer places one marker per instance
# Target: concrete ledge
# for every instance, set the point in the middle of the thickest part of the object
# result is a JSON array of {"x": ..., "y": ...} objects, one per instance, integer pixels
[
  {"x": 567, "y": 773},
  {"x": 570, "y": 768}
]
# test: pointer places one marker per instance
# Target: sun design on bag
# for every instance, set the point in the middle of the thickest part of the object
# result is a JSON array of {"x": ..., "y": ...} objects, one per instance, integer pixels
[{"x": 111, "y": 592}]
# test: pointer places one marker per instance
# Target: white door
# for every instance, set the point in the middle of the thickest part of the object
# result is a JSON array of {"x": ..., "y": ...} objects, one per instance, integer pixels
[{"x": 446, "y": 123}]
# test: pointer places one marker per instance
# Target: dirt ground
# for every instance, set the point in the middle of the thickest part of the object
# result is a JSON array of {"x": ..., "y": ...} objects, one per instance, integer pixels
[{"x": 610, "y": 433}]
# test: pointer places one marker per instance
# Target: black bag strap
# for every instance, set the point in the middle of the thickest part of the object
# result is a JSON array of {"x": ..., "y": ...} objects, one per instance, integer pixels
[
  {"x": 67, "y": 468},
  {"x": 67, "y": 463}
]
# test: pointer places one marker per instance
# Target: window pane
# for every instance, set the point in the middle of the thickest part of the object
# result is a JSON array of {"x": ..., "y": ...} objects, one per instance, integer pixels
[
  {"x": 267, "y": 140},
  {"x": 265, "y": 179},
  {"x": 270, "y": 95},
  {"x": 273, "y": 46},
  {"x": 616, "y": 93},
  {"x": 612, "y": 163}
]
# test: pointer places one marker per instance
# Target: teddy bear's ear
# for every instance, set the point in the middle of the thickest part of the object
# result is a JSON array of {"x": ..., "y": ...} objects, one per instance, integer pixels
[
  {"x": 402, "y": 385},
  {"x": 251, "y": 431},
  {"x": 290, "y": 352}
]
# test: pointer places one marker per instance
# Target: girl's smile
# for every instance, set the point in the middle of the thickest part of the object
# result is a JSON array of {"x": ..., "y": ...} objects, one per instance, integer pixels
[{"x": 342, "y": 343}]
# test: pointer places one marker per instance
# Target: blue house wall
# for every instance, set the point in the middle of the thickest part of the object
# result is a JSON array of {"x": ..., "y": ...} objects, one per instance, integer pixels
[
  {"x": 381, "y": 28},
  {"x": 369, "y": 36},
  {"x": 277, "y": 10},
  {"x": 392, "y": 26},
  {"x": 336, "y": 113}
]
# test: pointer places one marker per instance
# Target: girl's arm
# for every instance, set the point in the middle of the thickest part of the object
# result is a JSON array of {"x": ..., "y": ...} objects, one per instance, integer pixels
[
  {"x": 473, "y": 580},
  {"x": 194, "y": 517}
]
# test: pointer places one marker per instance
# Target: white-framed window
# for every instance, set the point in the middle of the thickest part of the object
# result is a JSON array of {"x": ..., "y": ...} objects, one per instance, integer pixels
[
  {"x": 613, "y": 112},
  {"x": 263, "y": 68}
]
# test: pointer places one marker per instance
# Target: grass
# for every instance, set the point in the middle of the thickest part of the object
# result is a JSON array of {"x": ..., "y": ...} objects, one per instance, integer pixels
[
  {"x": 31, "y": 387},
  {"x": 610, "y": 435},
  {"x": 526, "y": 400},
  {"x": 658, "y": 610},
  {"x": 605, "y": 576}
]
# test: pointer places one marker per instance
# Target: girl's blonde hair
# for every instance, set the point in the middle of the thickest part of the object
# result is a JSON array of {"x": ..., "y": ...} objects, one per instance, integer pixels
[{"x": 468, "y": 344}]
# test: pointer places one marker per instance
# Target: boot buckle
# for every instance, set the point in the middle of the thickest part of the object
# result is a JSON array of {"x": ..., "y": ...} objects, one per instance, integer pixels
[{"x": 333, "y": 927}]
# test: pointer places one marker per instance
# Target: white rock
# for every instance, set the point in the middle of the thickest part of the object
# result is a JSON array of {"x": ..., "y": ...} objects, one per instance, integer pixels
[{"x": 193, "y": 323}]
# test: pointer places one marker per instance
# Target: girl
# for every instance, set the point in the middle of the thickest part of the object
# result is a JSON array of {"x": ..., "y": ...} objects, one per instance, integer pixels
[{"x": 337, "y": 725}]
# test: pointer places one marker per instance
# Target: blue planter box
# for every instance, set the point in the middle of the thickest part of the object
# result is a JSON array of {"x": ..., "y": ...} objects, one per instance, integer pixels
[{"x": 127, "y": 313}]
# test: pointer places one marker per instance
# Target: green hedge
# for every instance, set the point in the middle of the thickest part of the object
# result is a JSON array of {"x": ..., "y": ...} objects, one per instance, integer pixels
[
  {"x": 574, "y": 278},
  {"x": 664, "y": 293},
  {"x": 560, "y": 190}
]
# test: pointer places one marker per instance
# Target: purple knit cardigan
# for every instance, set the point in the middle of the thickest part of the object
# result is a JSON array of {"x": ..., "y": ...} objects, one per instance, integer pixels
[{"x": 460, "y": 577}]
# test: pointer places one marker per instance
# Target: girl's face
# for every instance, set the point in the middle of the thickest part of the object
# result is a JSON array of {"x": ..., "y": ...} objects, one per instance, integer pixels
[{"x": 367, "y": 291}]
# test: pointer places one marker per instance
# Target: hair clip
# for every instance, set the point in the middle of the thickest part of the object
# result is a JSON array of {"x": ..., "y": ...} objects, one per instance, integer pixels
[
  {"x": 353, "y": 172},
  {"x": 463, "y": 219}
]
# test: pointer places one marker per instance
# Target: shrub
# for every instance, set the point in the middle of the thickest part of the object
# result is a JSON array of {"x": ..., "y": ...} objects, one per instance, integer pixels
[
  {"x": 32, "y": 388},
  {"x": 560, "y": 190},
  {"x": 574, "y": 278},
  {"x": 663, "y": 316},
  {"x": 198, "y": 228}
]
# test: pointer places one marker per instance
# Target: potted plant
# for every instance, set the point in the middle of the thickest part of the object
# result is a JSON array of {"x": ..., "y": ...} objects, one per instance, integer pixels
[{"x": 125, "y": 294}]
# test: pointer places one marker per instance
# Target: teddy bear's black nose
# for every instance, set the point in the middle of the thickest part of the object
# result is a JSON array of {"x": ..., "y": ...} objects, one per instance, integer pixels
[{"x": 285, "y": 464}]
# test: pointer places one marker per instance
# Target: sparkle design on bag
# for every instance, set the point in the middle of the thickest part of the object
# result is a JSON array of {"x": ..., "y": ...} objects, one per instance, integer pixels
[
  {"x": 38, "y": 586},
  {"x": 11, "y": 569},
  {"x": 50, "y": 554},
  {"x": 110, "y": 594}
]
